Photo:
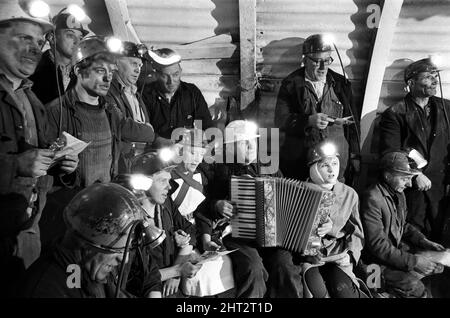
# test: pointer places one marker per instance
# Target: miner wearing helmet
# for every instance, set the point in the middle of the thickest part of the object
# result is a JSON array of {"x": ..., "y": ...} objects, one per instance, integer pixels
[
  {"x": 239, "y": 150},
  {"x": 52, "y": 76},
  {"x": 24, "y": 155},
  {"x": 173, "y": 103},
  {"x": 173, "y": 255},
  {"x": 315, "y": 104},
  {"x": 99, "y": 220},
  {"x": 391, "y": 241},
  {"x": 124, "y": 93},
  {"x": 420, "y": 121},
  {"x": 338, "y": 257}
]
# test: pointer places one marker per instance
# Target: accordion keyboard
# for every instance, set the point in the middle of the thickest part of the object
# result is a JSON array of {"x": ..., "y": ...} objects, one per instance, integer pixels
[{"x": 243, "y": 222}]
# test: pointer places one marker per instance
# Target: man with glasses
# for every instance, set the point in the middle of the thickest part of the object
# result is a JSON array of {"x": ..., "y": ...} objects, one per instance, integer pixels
[
  {"x": 52, "y": 75},
  {"x": 315, "y": 103},
  {"x": 420, "y": 121}
]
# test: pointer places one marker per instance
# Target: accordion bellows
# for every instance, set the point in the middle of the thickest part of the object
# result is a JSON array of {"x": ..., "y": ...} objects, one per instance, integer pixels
[{"x": 280, "y": 212}]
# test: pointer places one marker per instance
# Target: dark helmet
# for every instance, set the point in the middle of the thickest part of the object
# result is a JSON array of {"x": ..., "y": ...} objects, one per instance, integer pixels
[
  {"x": 409, "y": 163},
  {"x": 322, "y": 150},
  {"x": 93, "y": 45},
  {"x": 316, "y": 43},
  {"x": 164, "y": 57},
  {"x": 130, "y": 49},
  {"x": 65, "y": 20},
  {"x": 423, "y": 65},
  {"x": 153, "y": 162},
  {"x": 102, "y": 215}
]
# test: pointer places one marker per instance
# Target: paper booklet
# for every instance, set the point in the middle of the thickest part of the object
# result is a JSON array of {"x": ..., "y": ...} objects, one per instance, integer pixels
[
  {"x": 72, "y": 146},
  {"x": 209, "y": 256}
]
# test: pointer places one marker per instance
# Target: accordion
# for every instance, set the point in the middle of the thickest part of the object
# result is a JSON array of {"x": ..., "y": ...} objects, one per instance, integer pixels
[{"x": 280, "y": 212}]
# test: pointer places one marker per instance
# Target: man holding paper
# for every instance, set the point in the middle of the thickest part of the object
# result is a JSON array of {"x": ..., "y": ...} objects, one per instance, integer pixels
[{"x": 24, "y": 155}]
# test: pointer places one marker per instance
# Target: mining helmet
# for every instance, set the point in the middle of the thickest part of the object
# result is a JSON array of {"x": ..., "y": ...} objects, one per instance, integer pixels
[
  {"x": 152, "y": 162},
  {"x": 409, "y": 163},
  {"x": 194, "y": 137},
  {"x": 65, "y": 20},
  {"x": 36, "y": 11},
  {"x": 130, "y": 49},
  {"x": 423, "y": 65},
  {"x": 316, "y": 43},
  {"x": 102, "y": 215},
  {"x": 321, "y": 151},
  {"x": 163, "y": 57},
  {"x": 239, "y": 130},
  {"x": 93, "y": 45}
]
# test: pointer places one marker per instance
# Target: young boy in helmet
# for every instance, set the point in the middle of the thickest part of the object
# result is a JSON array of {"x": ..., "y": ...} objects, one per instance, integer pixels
[
  {"x": 390, "y": 240},
  {"x": 174, "y": 253},
  {"x": 52, "y": 76},
  {"x": 98, "y": 220},
  {"x": 330, "y": 274},
  {"x": 311, "y": 104}
]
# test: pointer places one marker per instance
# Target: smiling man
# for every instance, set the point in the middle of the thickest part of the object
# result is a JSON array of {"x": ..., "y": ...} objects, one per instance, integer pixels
[
  {"x": 309, "y": 101},
  {"x": 421, "y": 121},
  {"x": 52, "y": 75},
  {"x": 24, "y": 155}
]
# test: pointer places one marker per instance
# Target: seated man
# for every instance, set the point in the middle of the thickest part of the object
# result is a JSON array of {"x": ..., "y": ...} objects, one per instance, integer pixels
[
  {"x": 98, "y": 222},
  {"x": 174, "y": 253},
  {"x": 249, "y": 273},
  {"x": 383, "y": 214},
  {"x": 331, "y": 273}
]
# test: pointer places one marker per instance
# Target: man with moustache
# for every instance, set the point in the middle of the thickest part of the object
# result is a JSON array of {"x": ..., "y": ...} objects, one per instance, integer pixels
[
  {"x": 420, "y": 121},
  {"x": 52, "y": 75},
  {"x": 311, "y": 105},
  {"x": 171, "y": 102},
  {"x": 24, "y": 155}
]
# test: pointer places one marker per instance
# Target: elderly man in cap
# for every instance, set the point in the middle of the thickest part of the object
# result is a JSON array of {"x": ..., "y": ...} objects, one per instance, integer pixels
[
  {"x": 124, "y": 94},
  {"x": 390, "y": 240},
  {"x": 171, "y": 102},
  {"x": 52, "y": 75},
  {"x": 315, "y": 103},
  {"x": 420, "y": 121},
  {"x": 24, "y": 155}
]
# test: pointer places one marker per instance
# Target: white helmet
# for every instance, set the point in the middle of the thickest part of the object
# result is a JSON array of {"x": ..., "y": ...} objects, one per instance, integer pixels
[
  {"x": 239, "y": 130},
  {"x": 36, "y": 11}
]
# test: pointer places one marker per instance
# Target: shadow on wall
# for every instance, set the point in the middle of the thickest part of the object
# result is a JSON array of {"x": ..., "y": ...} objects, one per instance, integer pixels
[
  {"x": 226, "y": 13},
  {"x": 96, "y": 10},
  {"x": 274, "y": 62}
]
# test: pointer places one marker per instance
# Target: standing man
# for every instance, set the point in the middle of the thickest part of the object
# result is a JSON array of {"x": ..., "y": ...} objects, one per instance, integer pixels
[
  {"x": 420, "y": 121},
  {"x": 313, "y": 103},
  {"x": 24, "y": 155},
  {"x": 390, "y": 240},
  {"x": 52, "y": 75},
  {"x": 123, "y": 92},
  {"x": 87, "y": 115},
  {"x": 171, "y": 102}
]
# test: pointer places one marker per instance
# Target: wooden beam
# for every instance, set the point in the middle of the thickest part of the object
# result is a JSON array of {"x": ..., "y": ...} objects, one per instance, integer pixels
[
  {"x": 120, "y": 20},
  {"x": 247, "y": 27},
  {"x": 386, "y": 29}
]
